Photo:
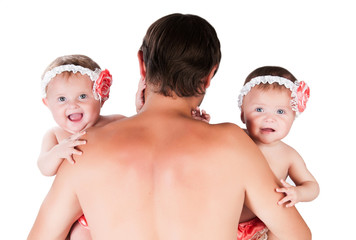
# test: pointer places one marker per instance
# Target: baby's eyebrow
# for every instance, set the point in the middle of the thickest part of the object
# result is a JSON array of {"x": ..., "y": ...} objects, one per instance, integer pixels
[
  {"x": 283, "y": 106},
  {"x": 258, "y": 103},
  {"x": 60, "y": 94}
]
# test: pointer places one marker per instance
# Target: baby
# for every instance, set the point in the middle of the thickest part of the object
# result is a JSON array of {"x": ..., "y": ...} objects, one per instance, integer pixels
[
  {"x": 270, "y": 100},
  {"x": 74, "y": 88}
]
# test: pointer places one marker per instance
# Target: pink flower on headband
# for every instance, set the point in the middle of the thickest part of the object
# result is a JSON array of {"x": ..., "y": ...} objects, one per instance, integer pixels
[
  {"x": 303, "y": 93},
  {"x": 102, "y": 84}
]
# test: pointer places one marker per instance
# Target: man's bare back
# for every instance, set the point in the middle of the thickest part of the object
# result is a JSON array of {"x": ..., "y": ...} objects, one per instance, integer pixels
[{"x": 173, "y": 172}]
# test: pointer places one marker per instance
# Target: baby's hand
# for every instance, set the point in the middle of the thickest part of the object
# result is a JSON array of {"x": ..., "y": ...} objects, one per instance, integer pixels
[
  {"x": 140, "y": 94},
  {"x": 202, "y": 116},
  {"x": 66, "y": 147},
  {"x": 291, "y": 194}
]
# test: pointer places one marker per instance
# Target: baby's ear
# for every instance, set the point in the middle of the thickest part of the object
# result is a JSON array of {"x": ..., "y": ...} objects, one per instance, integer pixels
[
  {"x": 242, "y": 117},
  {"x": 45, "y": 101}
]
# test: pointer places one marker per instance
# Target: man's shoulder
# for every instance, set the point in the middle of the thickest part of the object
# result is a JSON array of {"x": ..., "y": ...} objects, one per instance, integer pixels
[
  {"x": 227, "y": 127},
  {"x": 108, "y": 136},
  {"x": 104, "y": 120},
  {"x": 230, "y": 132},
  {"x": 230, "y": 138}
]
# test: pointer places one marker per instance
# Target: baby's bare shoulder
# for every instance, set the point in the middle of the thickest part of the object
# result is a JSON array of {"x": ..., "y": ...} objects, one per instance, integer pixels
[{"x": 291, "y": 154}]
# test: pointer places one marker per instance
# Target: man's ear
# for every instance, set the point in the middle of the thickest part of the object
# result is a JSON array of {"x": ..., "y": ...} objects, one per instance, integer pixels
[
  {"x": 141, "y": 64},
  {"x": 45, "y": 101},
  {"x": 210, "y": 76}
]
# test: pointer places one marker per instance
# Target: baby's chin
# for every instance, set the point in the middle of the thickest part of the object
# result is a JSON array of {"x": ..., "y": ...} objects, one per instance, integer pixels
[
  {"x": 74, "y": 130},
  {"x": 265, "y": 141}
]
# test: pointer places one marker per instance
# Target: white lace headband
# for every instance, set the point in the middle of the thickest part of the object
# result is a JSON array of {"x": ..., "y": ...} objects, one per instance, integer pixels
[
  {"x": 300, "y": 90},
  {"x": 102, "y": 79}
]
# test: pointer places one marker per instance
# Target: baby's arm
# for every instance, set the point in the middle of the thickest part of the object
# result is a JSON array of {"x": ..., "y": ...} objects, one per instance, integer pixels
[
  {"x": 53, "y": 153},
  {"x": 306, "y": 189}
]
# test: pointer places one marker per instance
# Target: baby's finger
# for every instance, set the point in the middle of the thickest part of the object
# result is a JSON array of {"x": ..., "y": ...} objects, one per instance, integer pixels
[
  {"x": 82, "y": 133},
  {"x": 284, "y": 183},
  {"x": 75, "y": 136},
  {"x": 282, "y": 190},
  {"x": 79, "y": 142},
  {"x": 291, "y": 204},
  {"x": 76, "y": 152},
  {"x": 79, "y": 134},
  {"x": 284, "y": 200},
  {"x": 207, "y": 117},
  {"x": 70, "y": 159}
]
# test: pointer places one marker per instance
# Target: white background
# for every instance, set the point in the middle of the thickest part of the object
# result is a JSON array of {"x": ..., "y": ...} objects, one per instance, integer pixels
[{"x": 315, "y": 40}]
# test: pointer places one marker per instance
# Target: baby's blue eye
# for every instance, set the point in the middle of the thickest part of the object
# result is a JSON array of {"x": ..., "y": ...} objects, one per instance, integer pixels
[
  {"x": 280, "y": 111},
  {"x": 61, "y": 99},
  {"x": 259, "y": 109},
  {"x": 83, "y": 96}
]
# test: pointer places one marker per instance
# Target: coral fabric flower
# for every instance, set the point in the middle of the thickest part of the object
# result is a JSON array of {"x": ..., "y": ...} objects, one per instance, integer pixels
[
  {"x": 303, "y": 94},
  {"x": 102, "y": 84}
]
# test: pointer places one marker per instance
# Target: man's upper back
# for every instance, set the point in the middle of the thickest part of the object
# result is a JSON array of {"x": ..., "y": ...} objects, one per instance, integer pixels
[{"x": 162, "y": 175}]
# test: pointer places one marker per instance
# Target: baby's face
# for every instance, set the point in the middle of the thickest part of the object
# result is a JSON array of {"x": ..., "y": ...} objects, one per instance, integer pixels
[
  {"x": 70, "y": 99},
  {"x": 267, "y": 114}
]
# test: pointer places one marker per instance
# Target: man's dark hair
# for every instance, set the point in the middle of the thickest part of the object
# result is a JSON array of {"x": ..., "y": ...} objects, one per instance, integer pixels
[{"x": 179, "y": 52}]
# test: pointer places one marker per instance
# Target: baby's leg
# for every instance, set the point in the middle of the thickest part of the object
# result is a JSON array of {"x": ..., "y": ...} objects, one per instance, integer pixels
[{"x": 79, "y": 232}]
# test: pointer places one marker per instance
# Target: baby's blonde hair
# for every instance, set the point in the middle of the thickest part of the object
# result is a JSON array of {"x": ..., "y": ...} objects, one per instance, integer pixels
[
  {"x": 270, "y": 71},
  {"x": 76, "y": 59}
]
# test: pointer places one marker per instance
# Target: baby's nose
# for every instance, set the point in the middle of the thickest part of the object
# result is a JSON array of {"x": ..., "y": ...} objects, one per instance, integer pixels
[
  {"x": 73, "y": 104},
  {"x": 269, "y": 117}
]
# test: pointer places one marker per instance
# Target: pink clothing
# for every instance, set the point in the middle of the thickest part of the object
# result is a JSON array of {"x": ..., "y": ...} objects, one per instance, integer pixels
[
  {"x": 83, "y": 221},
  {"x": 254, "y": 229}
]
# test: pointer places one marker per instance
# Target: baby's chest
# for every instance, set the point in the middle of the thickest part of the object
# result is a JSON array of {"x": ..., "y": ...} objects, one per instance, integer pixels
[
  {"x": 61, "y": 134},
  {"x": 279, "y": 166}
]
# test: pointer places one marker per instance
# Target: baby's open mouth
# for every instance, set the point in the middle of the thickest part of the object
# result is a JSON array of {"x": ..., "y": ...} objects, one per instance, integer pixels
[
  {"x": 268, "y": 130},
  {"x": 75, "y": 117}
]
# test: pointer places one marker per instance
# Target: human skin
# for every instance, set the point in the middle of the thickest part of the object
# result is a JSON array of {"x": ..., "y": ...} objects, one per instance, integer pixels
[
  {"x": 269, "y": 117},
  {"x": 70, "y": 99},
  {"x": 74, "y": 108},
  {"x": 163, "y": 175}
]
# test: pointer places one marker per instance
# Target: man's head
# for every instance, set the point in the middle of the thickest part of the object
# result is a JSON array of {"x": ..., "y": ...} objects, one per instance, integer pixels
[{"x": 179, "y": 53}]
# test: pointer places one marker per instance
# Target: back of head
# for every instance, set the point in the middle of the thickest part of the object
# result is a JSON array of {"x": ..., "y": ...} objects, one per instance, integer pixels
[{"x": 179, "y": 51}]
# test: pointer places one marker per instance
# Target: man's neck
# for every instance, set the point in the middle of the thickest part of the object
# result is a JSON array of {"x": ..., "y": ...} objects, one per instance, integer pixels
[{"x": 179, "y": 105}]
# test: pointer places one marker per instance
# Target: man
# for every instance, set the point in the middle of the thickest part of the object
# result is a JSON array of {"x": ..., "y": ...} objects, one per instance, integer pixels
[{"x": 161, "y": 174}]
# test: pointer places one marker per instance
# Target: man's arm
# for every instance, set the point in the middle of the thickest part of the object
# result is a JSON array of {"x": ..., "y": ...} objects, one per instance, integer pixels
[
  {"x": 59, "y": 210},
  {"x": 261, "y": 196}
]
